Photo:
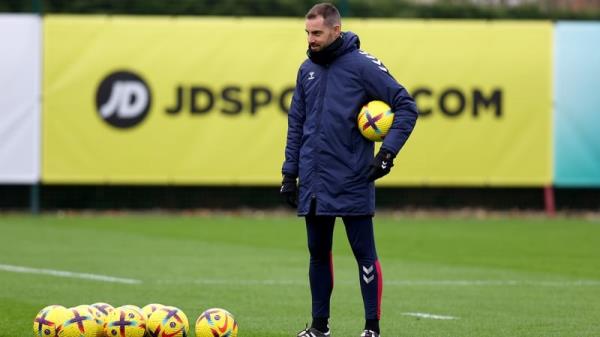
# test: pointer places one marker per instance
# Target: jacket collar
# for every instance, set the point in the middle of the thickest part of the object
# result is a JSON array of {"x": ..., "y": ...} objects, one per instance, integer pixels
[{"x": 345, "y": 43}]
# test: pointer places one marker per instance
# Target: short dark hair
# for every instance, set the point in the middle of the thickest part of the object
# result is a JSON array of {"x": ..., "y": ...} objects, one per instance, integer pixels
[{"x": 330, "y": 14}]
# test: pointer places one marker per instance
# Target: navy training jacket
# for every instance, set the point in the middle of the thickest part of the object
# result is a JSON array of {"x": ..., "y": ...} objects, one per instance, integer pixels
[{"x": 325, "y": 149}]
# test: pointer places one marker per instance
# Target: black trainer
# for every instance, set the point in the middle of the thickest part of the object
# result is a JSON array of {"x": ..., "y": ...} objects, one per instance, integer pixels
[
  {"x": 369, "y": 333},
  {"x": 312, "y": 332}
]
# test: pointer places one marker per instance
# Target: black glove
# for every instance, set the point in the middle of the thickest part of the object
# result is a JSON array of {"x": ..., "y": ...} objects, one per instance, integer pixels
[
  {"x": 289, "y": 191},
  {"x": 381, "y": 165}
]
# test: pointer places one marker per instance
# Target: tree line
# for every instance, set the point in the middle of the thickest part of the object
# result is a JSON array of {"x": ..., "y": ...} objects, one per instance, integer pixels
[{"x": 456, "y": 9}]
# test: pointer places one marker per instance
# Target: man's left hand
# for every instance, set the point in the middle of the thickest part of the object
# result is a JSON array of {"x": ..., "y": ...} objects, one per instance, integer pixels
[{"x": 381, "y": 165}]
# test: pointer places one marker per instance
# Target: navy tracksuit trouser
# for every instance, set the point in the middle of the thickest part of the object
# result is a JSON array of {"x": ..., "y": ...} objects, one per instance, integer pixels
[{"x": 359, "y": 230}]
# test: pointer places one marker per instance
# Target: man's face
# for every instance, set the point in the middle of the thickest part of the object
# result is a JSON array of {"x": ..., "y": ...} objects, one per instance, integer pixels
[{"x": 320, "y": 35}]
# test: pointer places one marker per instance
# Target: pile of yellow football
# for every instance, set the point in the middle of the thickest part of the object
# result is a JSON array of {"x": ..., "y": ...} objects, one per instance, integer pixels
[{"x": 153, "y": 320}]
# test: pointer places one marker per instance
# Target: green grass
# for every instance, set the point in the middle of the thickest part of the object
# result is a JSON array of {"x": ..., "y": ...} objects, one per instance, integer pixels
[{"x": 256, "y": 267}]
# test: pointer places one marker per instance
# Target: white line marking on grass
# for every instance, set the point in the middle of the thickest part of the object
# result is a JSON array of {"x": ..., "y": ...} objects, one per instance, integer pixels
[
  {"x": 68, "y": 274},
  {"x": 472, "y": 283},
  {"x": 426, "y": 315},
  {"x": 398, "y": 283}
]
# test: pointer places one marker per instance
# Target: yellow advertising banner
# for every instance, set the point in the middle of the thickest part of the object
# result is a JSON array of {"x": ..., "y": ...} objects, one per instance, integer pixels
[{"x": 156, "y": 100}]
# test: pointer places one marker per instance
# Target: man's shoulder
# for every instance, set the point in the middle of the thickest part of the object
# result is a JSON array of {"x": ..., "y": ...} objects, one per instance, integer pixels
[
  {"x": 368, "y": 61},
  {"x": 306, "y": 65}
]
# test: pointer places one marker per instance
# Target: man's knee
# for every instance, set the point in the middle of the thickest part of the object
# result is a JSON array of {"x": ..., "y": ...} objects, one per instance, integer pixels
[
  {"x": 364, "y": 252},
  {"x": 319, "y": 252}
]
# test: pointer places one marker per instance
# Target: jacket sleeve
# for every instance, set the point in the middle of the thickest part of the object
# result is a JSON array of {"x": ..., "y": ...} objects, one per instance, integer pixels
[
  {"x": 296, "y": 117},
  {"x": 380, "y": 85}
]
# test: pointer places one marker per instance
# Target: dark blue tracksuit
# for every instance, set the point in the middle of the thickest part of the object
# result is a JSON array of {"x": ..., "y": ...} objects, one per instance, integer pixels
[{"x": 326, "y": 151}]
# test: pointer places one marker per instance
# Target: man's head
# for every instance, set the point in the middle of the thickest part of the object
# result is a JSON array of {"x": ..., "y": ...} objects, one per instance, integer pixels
[{"x": 323, "y": 26}]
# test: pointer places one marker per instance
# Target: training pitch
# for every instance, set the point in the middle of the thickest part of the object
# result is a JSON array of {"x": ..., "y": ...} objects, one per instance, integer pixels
[{"x": 506, "y": 277}]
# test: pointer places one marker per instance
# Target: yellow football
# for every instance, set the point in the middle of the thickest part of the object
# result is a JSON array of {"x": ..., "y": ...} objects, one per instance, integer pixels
[
  {"x": 150, "y": 308},
  {"x": 101, "y": 312},
  {"x": 216, "y": 322},
  {"x": 374, "y": 120},
  {"x": 94, "y": 312},
  {"x": 80, "y": 322},
  {"x": 125, "y": 321},
  {"x": 168, "y": 322},
  {"x": 49, "y": 320}
]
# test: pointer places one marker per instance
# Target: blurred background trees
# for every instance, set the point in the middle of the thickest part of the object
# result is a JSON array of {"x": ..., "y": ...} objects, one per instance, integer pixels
[{"x": 475, "y": 9}]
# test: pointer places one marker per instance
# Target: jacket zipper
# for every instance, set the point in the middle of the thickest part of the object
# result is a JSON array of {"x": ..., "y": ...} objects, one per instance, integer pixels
[{"x": 318, "y": 127}]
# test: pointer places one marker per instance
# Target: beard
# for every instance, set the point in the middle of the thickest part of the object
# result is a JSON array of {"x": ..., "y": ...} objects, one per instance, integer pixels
[{"x": 321, "y": 46}]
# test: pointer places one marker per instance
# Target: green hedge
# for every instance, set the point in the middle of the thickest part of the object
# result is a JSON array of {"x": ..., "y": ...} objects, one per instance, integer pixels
[{"x": 294, "y": 8}]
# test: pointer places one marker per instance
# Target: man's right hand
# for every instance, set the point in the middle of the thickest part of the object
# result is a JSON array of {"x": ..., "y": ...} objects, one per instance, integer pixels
[{"x": 289, "y": 191}]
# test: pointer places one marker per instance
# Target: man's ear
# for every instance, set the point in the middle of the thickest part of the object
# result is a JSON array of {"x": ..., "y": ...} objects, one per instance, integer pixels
[{"x": 337, "y": 29}]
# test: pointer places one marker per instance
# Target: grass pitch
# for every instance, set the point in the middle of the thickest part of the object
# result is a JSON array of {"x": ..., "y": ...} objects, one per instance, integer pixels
[{"x": 497, "y": 277}]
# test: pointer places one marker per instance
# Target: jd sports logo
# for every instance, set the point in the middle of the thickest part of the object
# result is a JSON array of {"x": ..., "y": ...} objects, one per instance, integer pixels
[{"x": 123, "y": 99}]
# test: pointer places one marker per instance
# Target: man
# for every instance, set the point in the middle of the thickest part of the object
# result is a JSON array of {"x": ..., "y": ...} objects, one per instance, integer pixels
[{"x": 334, "y": 163}]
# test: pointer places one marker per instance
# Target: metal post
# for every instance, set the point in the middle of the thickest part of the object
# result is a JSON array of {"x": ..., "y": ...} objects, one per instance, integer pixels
[
  {"x": 34, "y": 199},
  {"x": 549, "y": 201}
]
